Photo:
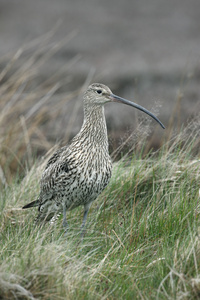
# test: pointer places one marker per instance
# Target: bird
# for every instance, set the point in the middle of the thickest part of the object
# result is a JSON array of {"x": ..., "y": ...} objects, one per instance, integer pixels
[{"x": 77, "y": 173}]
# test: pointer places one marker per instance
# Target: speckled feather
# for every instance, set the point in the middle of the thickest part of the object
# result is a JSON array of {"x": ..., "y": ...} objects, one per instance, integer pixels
[
  {"x": 77, "y": 173},
  {"x": 74, "y": 176}
]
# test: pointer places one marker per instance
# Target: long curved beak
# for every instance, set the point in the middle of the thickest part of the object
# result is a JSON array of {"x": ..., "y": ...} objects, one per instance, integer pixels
[{"x": 116, "y": 98}]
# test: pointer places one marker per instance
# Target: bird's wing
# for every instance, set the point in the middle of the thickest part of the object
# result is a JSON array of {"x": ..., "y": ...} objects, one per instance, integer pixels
[
  {"x": 58, "y": 169},
  {"x": 56, "y": 155}
]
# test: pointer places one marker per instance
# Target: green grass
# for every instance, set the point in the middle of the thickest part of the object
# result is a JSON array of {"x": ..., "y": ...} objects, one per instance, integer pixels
[
  {"x": 142, "y": 233},
  {"x": 141, "y": 242}
]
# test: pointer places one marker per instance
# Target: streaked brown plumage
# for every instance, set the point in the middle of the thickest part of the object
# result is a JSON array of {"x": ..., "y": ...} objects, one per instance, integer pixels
[{"x": 77, "y": 173}]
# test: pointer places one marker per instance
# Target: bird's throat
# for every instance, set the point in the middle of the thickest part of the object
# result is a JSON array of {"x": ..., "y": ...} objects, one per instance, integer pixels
[{"x": 94, "y": 126}]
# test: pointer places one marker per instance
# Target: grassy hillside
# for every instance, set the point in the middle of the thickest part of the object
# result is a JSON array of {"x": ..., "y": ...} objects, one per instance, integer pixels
[
  {"x": 142, "y": 233},
  {"x": 142, "y": 238}
]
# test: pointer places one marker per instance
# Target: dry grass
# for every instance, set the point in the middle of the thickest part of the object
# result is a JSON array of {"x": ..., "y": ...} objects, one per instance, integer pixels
[{"x": 27, "y": 105}]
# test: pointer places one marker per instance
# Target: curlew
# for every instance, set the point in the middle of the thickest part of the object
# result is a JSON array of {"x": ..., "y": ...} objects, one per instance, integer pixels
[{"x": 77, "y": 173}]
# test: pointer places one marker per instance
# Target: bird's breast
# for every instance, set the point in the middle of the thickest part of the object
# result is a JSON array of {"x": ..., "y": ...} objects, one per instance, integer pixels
[
  {"x": 92, "y": 175},
  {"x": 96, "y": 172}
]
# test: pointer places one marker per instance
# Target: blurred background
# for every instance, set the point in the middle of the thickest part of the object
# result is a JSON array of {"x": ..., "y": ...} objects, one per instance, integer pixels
[{"x": 50, "y": 51}]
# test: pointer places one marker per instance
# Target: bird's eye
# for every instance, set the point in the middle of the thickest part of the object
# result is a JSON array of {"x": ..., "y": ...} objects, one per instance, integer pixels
[{"x": 99, "y": 91}]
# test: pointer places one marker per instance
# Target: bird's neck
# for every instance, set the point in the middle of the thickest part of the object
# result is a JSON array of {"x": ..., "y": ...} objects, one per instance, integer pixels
[{"x": 94, "y": 128}]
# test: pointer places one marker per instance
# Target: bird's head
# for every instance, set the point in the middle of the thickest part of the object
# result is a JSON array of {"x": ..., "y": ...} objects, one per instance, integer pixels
[{"x": 99, "y": 94}]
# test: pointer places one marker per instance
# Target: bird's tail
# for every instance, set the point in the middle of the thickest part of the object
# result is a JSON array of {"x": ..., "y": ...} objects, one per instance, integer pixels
[{"x": 31, "y": 204}]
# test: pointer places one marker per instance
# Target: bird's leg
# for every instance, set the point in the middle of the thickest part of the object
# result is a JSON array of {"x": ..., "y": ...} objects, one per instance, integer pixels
[
  {"x": 65, "y": 224},
  {"x": 86, "y": 209}
]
